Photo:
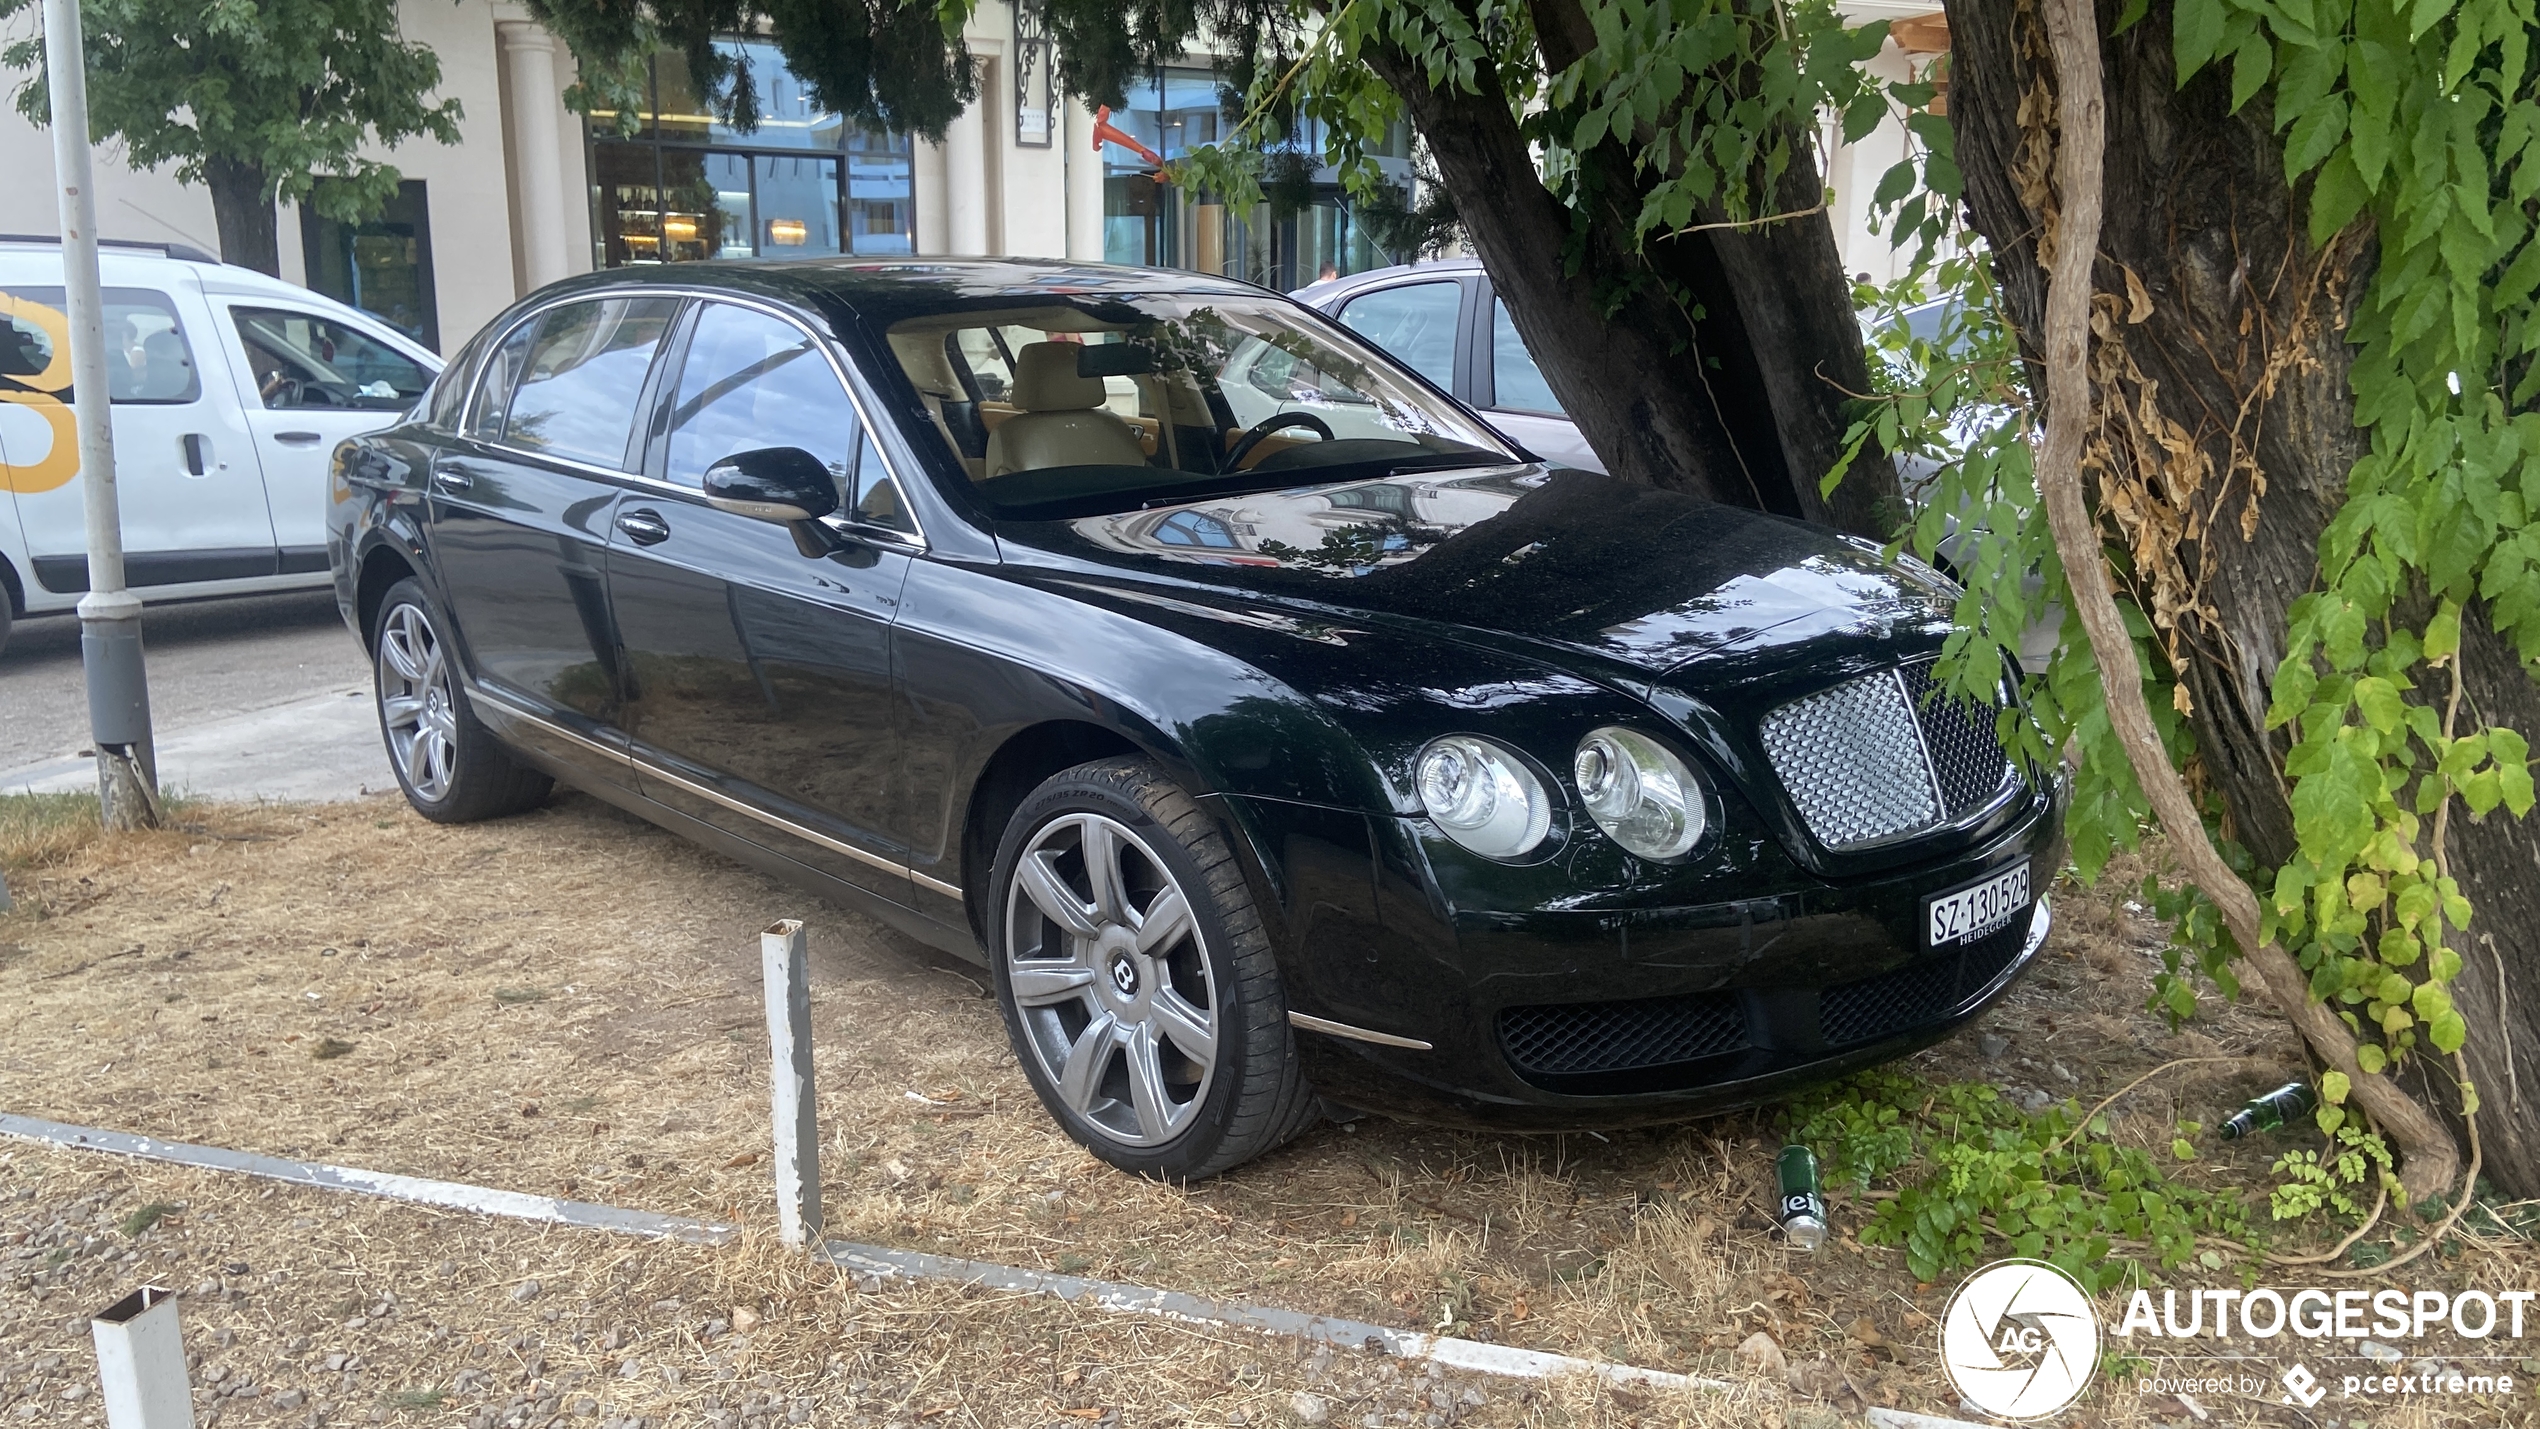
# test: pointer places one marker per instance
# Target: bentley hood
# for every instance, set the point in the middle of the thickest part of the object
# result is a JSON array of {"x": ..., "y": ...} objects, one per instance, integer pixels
[{"x": 1649, "y": 579}]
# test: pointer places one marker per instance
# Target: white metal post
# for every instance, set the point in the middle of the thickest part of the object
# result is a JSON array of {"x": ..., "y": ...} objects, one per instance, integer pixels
[
  {"x": 141, "y": 1362},
  {"x": 109, "y": 614},
  {"x": 785, "y": 971}
]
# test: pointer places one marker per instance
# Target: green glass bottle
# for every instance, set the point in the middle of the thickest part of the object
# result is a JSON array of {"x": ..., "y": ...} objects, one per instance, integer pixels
[{"x": 2284, "y": 1104}]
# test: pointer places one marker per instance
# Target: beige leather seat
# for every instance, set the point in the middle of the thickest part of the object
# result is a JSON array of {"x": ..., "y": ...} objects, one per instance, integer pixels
[{"x": 1061, "y": 422}]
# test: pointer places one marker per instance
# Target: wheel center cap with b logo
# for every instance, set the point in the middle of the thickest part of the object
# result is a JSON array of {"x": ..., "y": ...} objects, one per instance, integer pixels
[{"x": 1124, "y": 975}]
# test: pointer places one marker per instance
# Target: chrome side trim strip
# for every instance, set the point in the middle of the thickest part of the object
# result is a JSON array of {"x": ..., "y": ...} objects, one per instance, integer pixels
[
  {"x": 512, "y": 710},
  {"x": 654, "y": 769},
  {"x": 1356, "y": 1034},
  {"x": 717, "y": 796}
]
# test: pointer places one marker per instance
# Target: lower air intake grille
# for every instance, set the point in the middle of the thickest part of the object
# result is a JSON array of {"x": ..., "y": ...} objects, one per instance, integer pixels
[
  {"x": 1574, "y": 1037},
  {"x": 1883, "y": 756},
  {"x": 1920, "y": 993}
]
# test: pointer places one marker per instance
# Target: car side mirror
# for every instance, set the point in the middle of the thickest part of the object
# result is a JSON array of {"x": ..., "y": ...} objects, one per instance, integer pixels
[{"x": 780, "y": 484}]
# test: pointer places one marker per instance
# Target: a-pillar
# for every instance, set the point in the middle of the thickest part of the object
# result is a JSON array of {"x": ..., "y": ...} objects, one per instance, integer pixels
[
  {"x": 1084, "y": 186},
  {"x": 529, "y": 60},
  {"x": 966, "y": 183}
]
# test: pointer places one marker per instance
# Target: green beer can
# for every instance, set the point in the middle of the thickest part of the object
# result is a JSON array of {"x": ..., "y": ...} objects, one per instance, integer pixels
[{"x": 1803, "y": 1209}]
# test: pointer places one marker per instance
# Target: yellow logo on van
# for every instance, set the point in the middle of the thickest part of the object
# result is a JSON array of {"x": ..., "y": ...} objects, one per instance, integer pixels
[{"x": 40, "y": 392}]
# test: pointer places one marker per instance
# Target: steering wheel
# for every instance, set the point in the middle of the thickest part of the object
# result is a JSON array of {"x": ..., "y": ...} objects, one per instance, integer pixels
[{"x": 1252, "y": 438}]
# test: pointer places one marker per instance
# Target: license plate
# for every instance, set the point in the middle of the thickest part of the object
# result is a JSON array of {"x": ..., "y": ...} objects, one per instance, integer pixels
[{"x": 1977, "y": 909}]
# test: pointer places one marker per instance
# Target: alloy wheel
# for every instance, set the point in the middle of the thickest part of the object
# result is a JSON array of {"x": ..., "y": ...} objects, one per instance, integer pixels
[
  {"x": 1112, "y": 979},
  {"x": 416, "y": 704}
]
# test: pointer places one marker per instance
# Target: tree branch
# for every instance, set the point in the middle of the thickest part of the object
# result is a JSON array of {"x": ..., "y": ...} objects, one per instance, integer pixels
[{"x": 2431, "y": 1162}]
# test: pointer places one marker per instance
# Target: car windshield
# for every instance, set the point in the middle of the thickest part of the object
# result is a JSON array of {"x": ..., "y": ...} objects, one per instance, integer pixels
[{"x": 1061, "y": 406}]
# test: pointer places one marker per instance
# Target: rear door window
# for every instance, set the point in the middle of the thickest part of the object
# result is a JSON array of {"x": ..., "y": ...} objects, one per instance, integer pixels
[
  {"x": 1517, "y": 384},
  {"x": 494, "y": 385},
  {"x": 1414, "y": 322},
  {"x": 583, "y": 375}
]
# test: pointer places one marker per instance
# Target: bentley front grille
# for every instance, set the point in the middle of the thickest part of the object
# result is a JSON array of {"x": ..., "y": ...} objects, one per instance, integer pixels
[{"x": 1883, "y": 757}]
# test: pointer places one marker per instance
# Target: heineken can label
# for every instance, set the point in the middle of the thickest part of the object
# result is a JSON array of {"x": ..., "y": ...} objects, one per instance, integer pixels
[{"x": 1803, "y": 1208}]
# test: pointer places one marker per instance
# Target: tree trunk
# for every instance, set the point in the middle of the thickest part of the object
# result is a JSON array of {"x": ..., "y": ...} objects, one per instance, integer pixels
[
  {"x": 1741, "y": 404},
  {"x": 242, "y": 206},
  {"x": 2241, "y": 362}
]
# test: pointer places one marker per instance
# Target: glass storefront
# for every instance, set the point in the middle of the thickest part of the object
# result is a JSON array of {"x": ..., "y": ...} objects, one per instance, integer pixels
[
  {"x": 804, "y": 184},
  {"x": 1165, "y": 225}
]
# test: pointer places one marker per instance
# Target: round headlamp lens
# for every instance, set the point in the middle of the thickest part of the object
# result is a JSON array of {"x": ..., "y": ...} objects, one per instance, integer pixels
[
  {"x": 1483, "y": 796},
  {"x": 1640, "y": 793}
]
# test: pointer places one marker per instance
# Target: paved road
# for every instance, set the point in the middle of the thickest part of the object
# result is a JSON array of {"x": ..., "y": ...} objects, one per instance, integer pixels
[{"x": 259, "y": 696}]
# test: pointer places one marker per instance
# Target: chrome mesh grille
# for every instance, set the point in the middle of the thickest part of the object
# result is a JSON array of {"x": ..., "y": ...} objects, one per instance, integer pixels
[
  {"x": 1853, "y": 762},
  {"x": 1883, "y": 756},
  {"x": 1966, "y": 754}
]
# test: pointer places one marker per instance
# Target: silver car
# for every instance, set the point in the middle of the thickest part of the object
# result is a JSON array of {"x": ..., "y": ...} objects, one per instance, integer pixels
[{"x": 1443, "y": 321}]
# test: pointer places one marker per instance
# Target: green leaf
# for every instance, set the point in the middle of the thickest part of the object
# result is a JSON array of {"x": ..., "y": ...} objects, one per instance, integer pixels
[
  {"x": 2181, "y": 1148},
  {"x": 2371, "y": 1058},
  {"x": 2337, "y": 195},
  {"x": 2379, "y": 701},
  {"x": 2333, "y": 1088},
  {"x": 2196, "y": 30},
  {"x": 2250, "y": 66},
  {"x": 2443, "y": 632},
  {"x": 2448, "y": 1032}
]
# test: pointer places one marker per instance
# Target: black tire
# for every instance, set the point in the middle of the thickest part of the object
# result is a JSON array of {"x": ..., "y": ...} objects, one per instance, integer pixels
[
  {"x": 1252, "y": 1096},
  {"x": 452, "y": 769},
  {"x": 8, "y": 618}
]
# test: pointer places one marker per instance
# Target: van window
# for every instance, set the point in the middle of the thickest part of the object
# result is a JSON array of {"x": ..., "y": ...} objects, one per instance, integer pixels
[
  {"x": 148, "y": 360},
  {"x": 585, "y": 372},
  {"x": 304, "y": 360}
]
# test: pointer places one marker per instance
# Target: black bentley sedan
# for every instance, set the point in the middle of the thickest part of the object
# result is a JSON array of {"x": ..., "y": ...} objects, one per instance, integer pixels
[{"x": 1271, "y": 728}]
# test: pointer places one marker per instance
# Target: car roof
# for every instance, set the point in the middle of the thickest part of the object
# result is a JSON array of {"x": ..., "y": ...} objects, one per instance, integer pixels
[
  {"x": 879, "y": 290},
  {"x": 1317, "y": 294}
]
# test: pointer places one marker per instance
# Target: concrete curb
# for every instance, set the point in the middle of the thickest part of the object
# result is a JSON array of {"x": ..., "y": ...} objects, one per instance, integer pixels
[
  {"x": 1262, "y": 1319},
  {"x": 872, "y": 1261},
  {"x": 448, "y": 1195}
]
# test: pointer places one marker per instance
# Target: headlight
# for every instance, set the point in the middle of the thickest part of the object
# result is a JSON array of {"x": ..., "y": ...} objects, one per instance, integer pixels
[
  {"x": 1483, "y": 796},
  {"x": 1639, "y": 792}
]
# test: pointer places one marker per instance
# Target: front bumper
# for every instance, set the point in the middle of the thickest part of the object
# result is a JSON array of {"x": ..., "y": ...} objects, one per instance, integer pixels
[{"x": 1570, "y": 1018}]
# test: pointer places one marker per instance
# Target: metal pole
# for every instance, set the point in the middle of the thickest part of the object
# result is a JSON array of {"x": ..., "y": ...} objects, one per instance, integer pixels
[
  {"x": 786, "y": 973},
  {"x": 109, "y": 614},
  {"x": 141, "y": 1362}
]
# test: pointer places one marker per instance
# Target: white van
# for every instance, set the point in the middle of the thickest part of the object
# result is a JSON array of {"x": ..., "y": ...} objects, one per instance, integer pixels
[{"x": 230, "y": 391}]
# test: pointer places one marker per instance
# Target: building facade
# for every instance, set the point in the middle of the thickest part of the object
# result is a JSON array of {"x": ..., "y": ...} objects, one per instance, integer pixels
[{"x": 534, "y": 192}]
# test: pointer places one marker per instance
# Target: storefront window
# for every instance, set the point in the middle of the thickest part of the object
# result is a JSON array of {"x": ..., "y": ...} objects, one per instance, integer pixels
[
  {"x": 382, "y": 265},
  {"x": 1167, "y": 226},
  {"x": 804, "y": 184}
]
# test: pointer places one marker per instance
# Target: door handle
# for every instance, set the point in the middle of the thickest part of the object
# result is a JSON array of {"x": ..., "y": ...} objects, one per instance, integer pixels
[
  {"x": 198, "y": 453},
  {"x": 298, "y": 439},
  {"x": 450, "y": 482},
  {"x": 643, "y": 526}
]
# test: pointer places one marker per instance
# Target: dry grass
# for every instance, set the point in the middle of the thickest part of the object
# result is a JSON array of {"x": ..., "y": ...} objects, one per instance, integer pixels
[{"x": 567, "y": 1003}]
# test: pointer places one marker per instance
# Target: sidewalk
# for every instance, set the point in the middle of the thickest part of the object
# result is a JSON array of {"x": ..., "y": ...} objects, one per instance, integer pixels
[{"x": 316, "y": 749}]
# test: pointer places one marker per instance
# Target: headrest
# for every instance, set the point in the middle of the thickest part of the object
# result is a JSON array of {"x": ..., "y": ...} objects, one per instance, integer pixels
[{"x": 1046, "y": 379}]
